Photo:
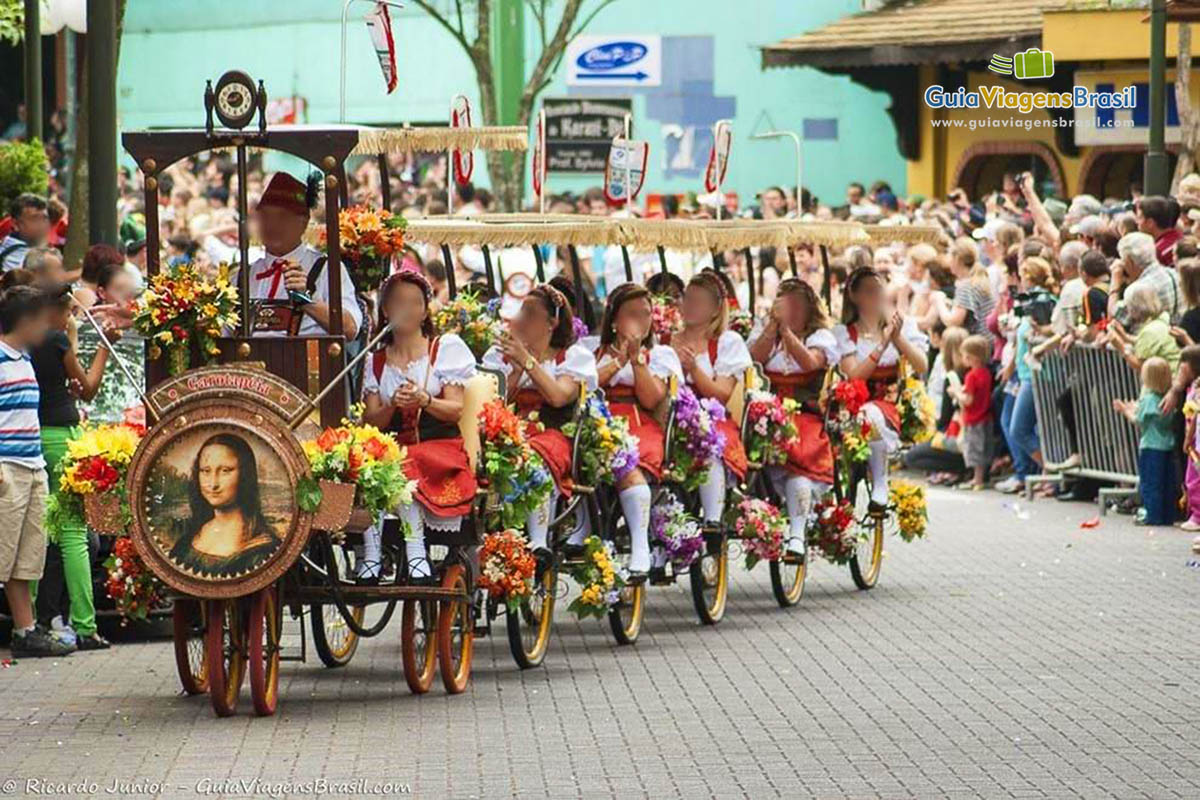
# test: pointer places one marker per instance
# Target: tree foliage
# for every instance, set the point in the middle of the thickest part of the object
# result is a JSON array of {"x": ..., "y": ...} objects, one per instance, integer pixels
[
  {"x": 12, "y": 21},
  {"x": 23, "y": 168}
]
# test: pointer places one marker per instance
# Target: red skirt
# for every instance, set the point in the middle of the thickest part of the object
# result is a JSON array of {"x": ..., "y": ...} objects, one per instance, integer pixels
[
  {"x": 891, "y": 414},
  {"x": 555, "y": 449},
  {"x": 445, "y": 484},
  {"x": 735, "y": 452},
  {"x": 810, "y": 453},
  {"x": 650, "y": 436}
]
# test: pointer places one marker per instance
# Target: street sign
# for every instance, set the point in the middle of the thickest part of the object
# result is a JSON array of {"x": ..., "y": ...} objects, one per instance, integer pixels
[
  {"x": 580, "y": 130},
  {"x": 613, "y": 60}
]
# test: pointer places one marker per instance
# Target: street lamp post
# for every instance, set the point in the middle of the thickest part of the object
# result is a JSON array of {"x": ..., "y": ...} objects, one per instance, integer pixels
[
  {"x": 33, "y": 70},
  {"x": 1157, "y": 179}
]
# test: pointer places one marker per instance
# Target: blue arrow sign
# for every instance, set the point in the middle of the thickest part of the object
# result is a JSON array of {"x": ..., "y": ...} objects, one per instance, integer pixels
[{"x": 609, "y": 76}]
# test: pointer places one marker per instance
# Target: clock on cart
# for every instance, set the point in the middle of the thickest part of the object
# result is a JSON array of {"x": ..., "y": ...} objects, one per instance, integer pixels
[{"x": 234, "y": 100}]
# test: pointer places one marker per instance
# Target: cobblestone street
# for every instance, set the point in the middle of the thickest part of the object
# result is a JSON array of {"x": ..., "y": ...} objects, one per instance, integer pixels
[{"x": 1011, "y": 654}]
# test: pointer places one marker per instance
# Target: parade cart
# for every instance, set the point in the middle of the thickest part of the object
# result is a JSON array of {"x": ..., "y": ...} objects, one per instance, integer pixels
[{"x": 253, "y": 401}]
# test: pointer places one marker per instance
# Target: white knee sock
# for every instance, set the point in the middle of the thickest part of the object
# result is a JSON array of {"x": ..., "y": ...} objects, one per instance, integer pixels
[
  {"x": 367, "y": 556},
  {"x": 879, "y": 472},
  {"x": 583, "y": 526},
  {"x": 538, "y": 523},
  {"x": 712, "y": 493},
  {"x": 414, "y": 541},
  {"x": 635, "y": 505},
  {"x": 798, "y": 493}
]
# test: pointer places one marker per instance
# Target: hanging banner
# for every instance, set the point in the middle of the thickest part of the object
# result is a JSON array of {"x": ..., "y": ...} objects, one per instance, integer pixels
[
  {"x": 625, "y": 170},
  {"x": 379, "y": 24},
  {"x": 539, "y": 154},
  {"x": 718, "y": 156},
  {"x": 460, "y": 117}
]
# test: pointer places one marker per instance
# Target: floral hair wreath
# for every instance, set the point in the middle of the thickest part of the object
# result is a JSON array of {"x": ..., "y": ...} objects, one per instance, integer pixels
[{"x": 407, "y": 275}]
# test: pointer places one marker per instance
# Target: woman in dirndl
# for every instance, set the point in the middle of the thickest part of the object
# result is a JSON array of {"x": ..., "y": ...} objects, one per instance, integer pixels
[
  {"x": 545, "y": 371},
  {"x": 713, "y": 359},
  {"x": 634, "y": 373},
  {"x": 795, "y": 348},
  {"x": 873, "y": 340},
  {"x": 413, "y": 389}
]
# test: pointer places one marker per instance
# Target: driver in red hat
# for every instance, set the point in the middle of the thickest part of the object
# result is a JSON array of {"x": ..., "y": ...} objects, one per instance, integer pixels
[{"x": 289, "y": 285}]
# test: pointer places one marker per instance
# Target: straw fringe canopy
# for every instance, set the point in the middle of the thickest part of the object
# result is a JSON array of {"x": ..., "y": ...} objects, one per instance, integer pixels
[
  {"x": 522, "y": 230},
  {"x": 372, "y": 141},
  {"x": 908, "y": 234}
]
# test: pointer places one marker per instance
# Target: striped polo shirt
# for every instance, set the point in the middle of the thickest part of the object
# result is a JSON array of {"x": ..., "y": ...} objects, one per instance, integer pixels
[{"x": 20, "y": 433}]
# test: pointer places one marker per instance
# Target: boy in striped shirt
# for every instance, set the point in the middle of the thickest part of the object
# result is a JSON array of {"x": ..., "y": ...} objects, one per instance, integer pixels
[{"x": 24, "y": 323}]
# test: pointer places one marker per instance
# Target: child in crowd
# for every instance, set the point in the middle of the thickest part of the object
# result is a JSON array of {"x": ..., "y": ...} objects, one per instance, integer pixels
[
  {"x": 23, "y": 326},
  {"x": 975, "y": 399},
  {"x": 1156, "y": 444},
  {"x": 1093, "y": 268},
  {"x": 1190, "y": 358}
]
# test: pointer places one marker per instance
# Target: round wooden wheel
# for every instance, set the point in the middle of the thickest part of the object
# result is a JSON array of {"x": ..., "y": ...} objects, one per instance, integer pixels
[
  {"x": 867, "y": 560},
  {"x": 225, "y": 652},
  {"x": 529, "y": 626},
  {"x": 418, "y": 643},
  {"x": 455, "y": 632},
  {"x": 187, "y": 621},
  {"x": 710, "y": 582},
  {"x": 625, "y": 618},
  {"x": 264, "y": 628},
  {"x": 787, "y": 579}
]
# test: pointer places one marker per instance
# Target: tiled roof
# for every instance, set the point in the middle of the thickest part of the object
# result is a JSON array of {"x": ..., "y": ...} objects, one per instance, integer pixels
[{"x": 920, "y": 24}]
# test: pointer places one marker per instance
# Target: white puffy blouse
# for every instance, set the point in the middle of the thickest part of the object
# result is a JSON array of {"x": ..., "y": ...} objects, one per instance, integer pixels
[
  {"x": 453, "y": 366},
  {"x": 822, "y": 339},
  {"x": 733, "y": 357},
  {"x": 578, "y": 363},
  {"x": 663, "y": 363},
  {"x": 864, "y": 347}
]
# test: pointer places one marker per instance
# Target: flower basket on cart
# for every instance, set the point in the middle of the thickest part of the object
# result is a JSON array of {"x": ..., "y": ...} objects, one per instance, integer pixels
[
  {"x": 337, "y": 503},
  {"x": 354, "y": 468},
  {"x": 103, "y": 513},
  {"x": 91, "y": 484},
  {"x": 370, "y": 238},
  {"x": 183, "y": 312}
]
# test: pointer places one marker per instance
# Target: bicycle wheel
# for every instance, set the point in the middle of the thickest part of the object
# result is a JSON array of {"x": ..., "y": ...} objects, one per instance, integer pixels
[
  {"x": 418, "y": 644},
  {"x": 225, "y": 651},
  {"x": 456, "y": 632},
  {"x": 867, "y": 560},
  {"x": 333, "y": 639},
  {"x": 787, "y": 580},
  {"x": 187, "y": 623},
  {"x": 710, "y": 582},
  {"x": 529, "y": 626},
  {"x": 265, "y": 627}
]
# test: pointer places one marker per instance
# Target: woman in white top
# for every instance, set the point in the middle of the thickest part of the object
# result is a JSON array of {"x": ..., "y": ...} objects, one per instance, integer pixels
[
  {"x": 413, "y": 389},
  {"x": 545, "y": 371},
  {"x": 795, "y": 349},
  {"x": 633, "y": 371},
  {"x": 872, "y": 341},
  {"x": 713, "y": 358}
]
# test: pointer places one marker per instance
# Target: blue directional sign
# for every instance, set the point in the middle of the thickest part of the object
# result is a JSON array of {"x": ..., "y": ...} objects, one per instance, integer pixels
[{"x": 614, "y": 60}]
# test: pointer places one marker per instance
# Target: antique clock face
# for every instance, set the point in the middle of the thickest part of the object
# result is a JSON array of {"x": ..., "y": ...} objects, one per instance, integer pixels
[{"x": 235, "y": 99}]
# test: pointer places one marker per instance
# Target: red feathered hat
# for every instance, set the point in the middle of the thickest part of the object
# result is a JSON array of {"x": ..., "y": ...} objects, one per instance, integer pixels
[{"x": 287, "y": 193}]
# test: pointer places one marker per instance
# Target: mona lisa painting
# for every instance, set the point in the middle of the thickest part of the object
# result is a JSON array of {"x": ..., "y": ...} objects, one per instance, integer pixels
[{"x": 219, "y": 502}]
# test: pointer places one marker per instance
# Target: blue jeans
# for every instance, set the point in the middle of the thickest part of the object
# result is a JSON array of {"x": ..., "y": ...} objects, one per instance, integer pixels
[
  {"x": 1158, "y": 486},
  {"x": 1020, "y": 429}
]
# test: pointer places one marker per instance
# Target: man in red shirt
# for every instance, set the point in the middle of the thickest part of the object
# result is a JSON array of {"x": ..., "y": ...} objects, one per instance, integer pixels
[{"x": 1157, "y": 216}]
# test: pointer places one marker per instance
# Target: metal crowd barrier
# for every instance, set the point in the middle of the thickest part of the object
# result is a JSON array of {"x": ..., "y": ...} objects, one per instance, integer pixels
[{"x": 1083, "y": 382}]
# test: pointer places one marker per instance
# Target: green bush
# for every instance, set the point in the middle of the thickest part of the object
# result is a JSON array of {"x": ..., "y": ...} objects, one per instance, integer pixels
[{"x": 23, "y": 168}]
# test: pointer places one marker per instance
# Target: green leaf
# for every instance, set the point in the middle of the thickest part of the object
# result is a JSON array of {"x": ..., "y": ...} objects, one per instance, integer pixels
[{"x": 308, "y": 495}]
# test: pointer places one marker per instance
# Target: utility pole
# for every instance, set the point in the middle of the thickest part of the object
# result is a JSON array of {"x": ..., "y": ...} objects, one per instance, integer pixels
[
  {"x": 1157, "y": 178},
  {"x": 101, "y": 62},
  {"x": 508, "y": 64},
  {"x": 33, "y": 71}
]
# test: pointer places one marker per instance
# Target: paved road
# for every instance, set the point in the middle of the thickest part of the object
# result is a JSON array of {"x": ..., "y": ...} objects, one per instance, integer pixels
[{"x": 1012, "y": 654}]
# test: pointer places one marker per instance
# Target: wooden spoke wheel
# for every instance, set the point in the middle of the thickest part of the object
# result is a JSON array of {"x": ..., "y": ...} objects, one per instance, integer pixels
[
  {"x": 187, "y": 621},
  {"x": 529, "y": 625},
  {"x": 225, "y": 652},
  {"x": 455, "y": 632},
  {"x": 625, "y": 617},
  {"x": 418, "y": 643},
  {"x": 333, "y": 638},
  {"x": 263, "y": 631},
  {"x": 787, "y": 579},
  {"x": 867, "y": 560},
  {"x": 710, "y": 582}
]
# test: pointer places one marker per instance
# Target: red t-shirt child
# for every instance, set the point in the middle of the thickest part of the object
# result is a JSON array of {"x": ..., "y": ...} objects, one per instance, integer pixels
[{"x": 978, "y": 385}]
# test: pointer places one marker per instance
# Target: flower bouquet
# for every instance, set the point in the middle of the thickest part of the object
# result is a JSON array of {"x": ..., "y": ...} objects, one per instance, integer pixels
[
  {"x": 92, "y": 481},
  {"x": 741, "y": 322},
  {"x": 835, "y": 533},
  {"x": 698, "y": 442},
  {"x": 353, "y": 465},
  {"x": 606, "y": 447},
  {"x": 918, "y": 417},
  {"x": 665, "y": 319},
  {"x": 130, "y": 584},
  {"x": 761, "y": 527},
  {"x": 678, "y": 533},
  {"x": 517, "y": 479},
  {"x": 912, "y": 515},
  {"x": 369, "y": 237},
  {"x": 506, "y": 567},
  {"x": 181, "y": 306},
  {"x": 769, "y": 427},
  {"x": 599, "y": 578},
  {"x": 478, "y": 323},
  {"x": 852, "y": 435}
]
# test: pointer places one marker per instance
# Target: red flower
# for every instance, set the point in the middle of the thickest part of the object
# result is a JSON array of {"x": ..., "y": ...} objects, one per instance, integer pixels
[
  {"x": 852, "y": 395},
  {"x": 376, "y": 448}
]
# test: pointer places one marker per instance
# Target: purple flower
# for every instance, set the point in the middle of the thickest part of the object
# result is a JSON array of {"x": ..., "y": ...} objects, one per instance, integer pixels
[{"x": 579, "y": 328}]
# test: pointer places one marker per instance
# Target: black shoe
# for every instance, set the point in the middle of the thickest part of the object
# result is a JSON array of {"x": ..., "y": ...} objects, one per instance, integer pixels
[
  {"x": 424, "y": 580},
  {"x": 544, "y": 557},
  {"x": 876, "y": 508},
  {"x": 657, "y": 576},
  {"x": 39, "y": 643},
  {"x": 367, "y": 580},
  {"x": 637, "y": 577},
  {"x": 573, "y": 551},
  {"x": 93, "y": 642}
]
